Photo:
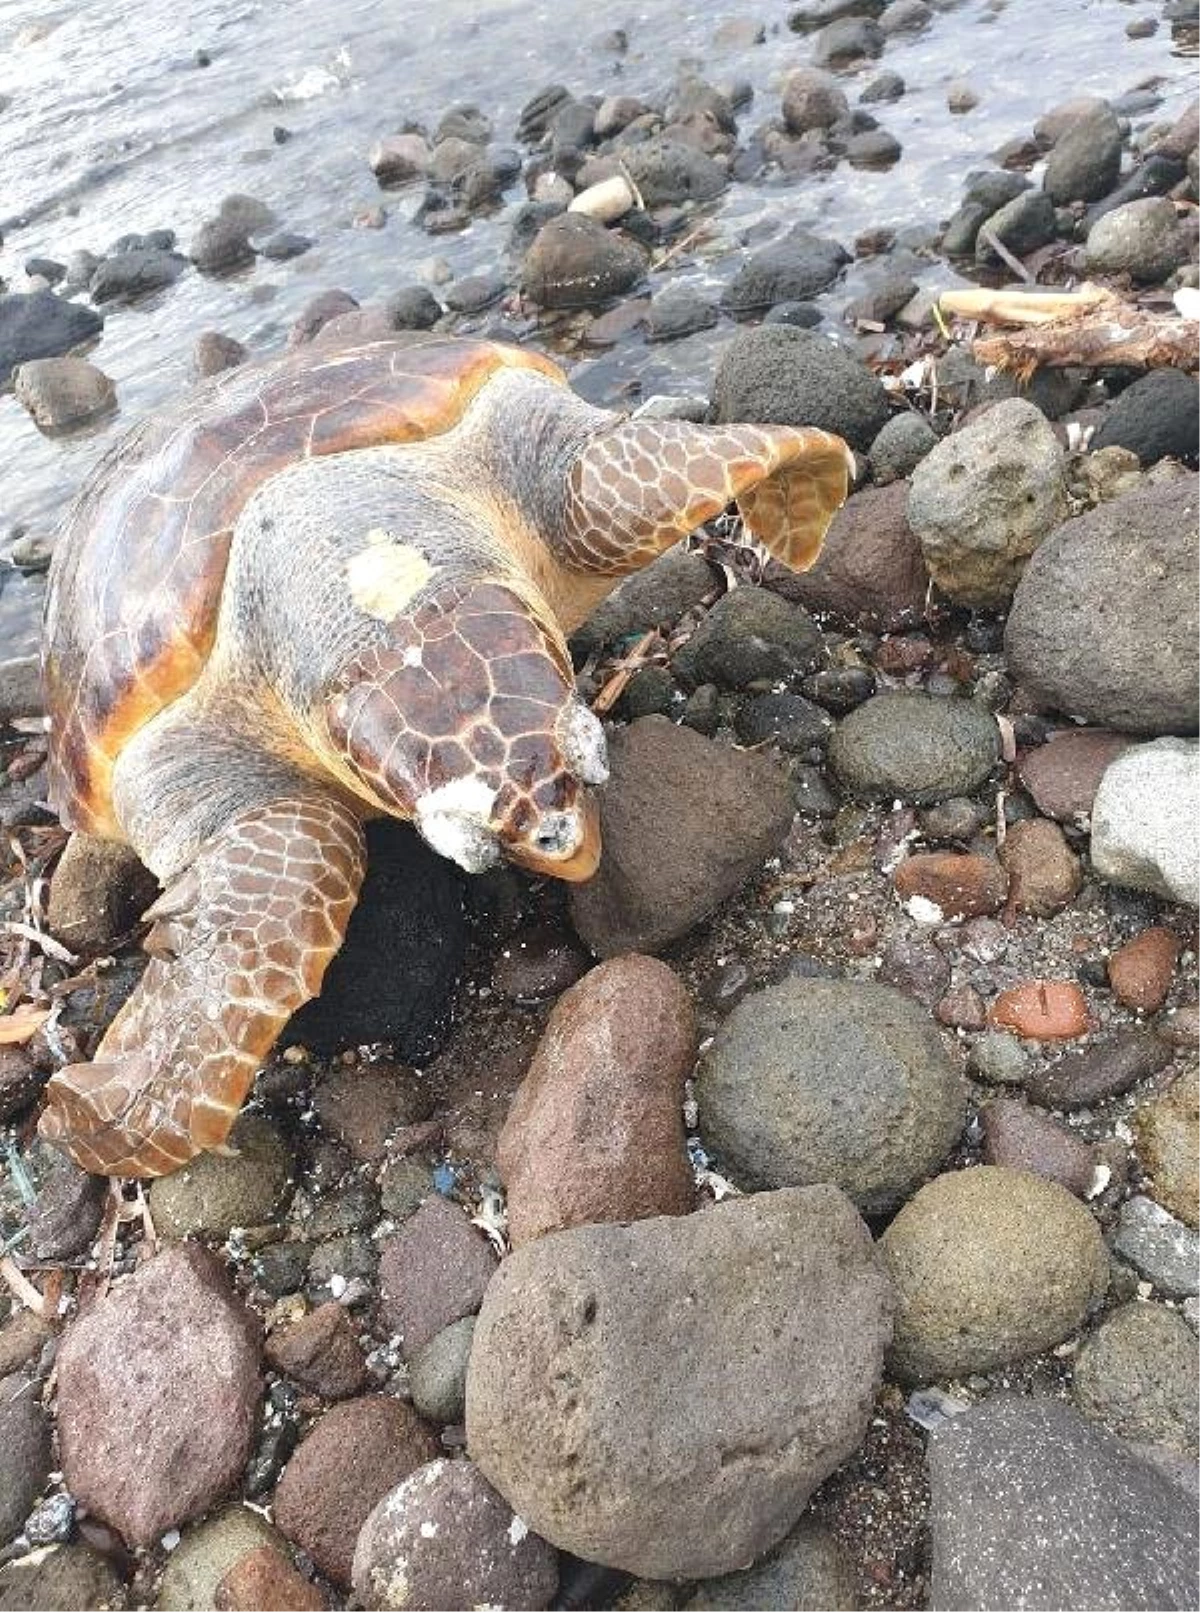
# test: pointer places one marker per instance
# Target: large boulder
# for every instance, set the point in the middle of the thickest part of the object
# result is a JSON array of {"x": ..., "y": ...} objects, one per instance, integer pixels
[
  {"x": 830, "y": 1080},
  {"x": 781, "y": 375},
  {"x": 664, "y": 1397},
  {"x": 1104, "y": 625}
]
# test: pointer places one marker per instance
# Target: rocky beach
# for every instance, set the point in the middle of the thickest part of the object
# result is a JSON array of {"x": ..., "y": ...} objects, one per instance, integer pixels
[{"x": 803, "y": 1212}]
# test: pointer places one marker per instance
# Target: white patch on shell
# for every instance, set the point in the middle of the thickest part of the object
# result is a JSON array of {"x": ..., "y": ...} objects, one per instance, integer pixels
[
  {"x": 454, "y": 818},
  {"x": 583, "y": 745},
  {"x": 386, "y": 576}
]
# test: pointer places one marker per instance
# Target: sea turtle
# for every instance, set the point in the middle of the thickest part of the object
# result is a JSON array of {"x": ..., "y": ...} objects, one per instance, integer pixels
[{"x": 329, "y": 587}]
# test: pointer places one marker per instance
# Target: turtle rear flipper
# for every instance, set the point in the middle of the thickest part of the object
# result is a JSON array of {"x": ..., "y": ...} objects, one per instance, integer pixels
[{"x": 241, "y": 939}]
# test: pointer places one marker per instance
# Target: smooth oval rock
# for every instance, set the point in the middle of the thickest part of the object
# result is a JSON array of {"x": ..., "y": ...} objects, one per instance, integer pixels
[
  {"x": 1139, "y": 1374},
  {"x": 1144, "y": 796},
  {"x": 1042, "y": 1010},
  {"x": 1104, "y": 1069},
  {"x": 218, "y": 1191},
  {"x": 955, "y": 884},
  {"x": 665, "y": 1397},
  {"x": 1044, "y": 874},
  {"x": 1140, "y": 971},
  {"x": 574, "y": 262},
  {"x": 1141, "y": 239},
  {"x": 914, "y": 747}
]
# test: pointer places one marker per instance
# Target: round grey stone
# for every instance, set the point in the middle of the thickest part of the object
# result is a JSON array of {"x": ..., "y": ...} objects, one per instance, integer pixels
[
  {"x": 914, "y": 747},
  {"x": 899, "y": 447},
  {"x": 437, "y": 1373},
  {"x": 809, "y": 1569},
  {"x": 218, "y": 1191},
  {"x": 1140, "y": 1374},
  {"x": 778, "y": 374},
  {"x": 1141, "y": 239},
  {"x": 1159, "y": 1247}
]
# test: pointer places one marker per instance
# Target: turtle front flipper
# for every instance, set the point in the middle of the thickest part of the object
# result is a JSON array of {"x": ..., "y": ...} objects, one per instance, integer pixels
[
  {"x": 240, "y": 939},
  {"x": 635, "y": 489}
]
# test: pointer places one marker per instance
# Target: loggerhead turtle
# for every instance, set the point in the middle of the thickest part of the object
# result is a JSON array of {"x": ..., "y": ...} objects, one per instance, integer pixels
[{"x": 328, "y": 587}]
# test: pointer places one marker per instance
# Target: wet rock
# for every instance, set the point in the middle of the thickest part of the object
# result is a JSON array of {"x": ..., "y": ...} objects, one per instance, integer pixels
[
  {"x": 265, "y": 1577},
  {"x": 828, "y": 1080},
  {"x": 1158, "y": 417},
  {"x": 70, "y": 1578},
  {"x": 1105, "y": 1069},
  {"x": 877, "y": 305},
  {"x": 339, "y": 1264},
  {"x": 898, "y": 448},
  {"x": 668, "y": 172},
  {"x": 445, "y": 1537},
  {"x": 1086, "y": 158},
  {"x": 663, "y": 873},
  {"x": 213, "y": 353},
  {"x": 985, "y": 498},
  {"x": 432, "y": 1272},
  {"x": 62, "y": 393},
  {"x": 840, "y": 688},
  {"x": 1165, "y": 1130},
  {"x": 885, "y": 86},
  {"x": 136, "y": 1384},
  {"x": 1029, "y": 1492},
  {"x": 847, "y": 42},
  {"x": 21, "y": 691},
  {"x": 957, "y": 885},
  {"x": 136, "y": 273},
  {"x": 25, "y": 1458},
  {"x": 1044, "y": 874},
  {"x": 538, "y": 964},
  {"x": 317, "y": 312},
  {"x": 1019, "y": 1138},
  {"x": 1141, "y": 239},
  {"x": 221, "y": 245},
  {"x": 1022, "y": 225},
  {"x": 1143, "y": 797},
  {"x": 873, "y": 148},
  {"x": 809, "y": 1569},
  {"x": 1159, "y": 1247},
  {"x": 218, "y": 1191},
  {"x": 413, "y": 307},
  {"x": 206, "y": 1553},
  {"x": 595, "y": 1132},
  {"x": 905, "y": 17},
  {"x": 989, "y": 1265},
  {"x": 575, "y": 262},
  {"x": 437, "y": 1373},
  {"x": 355, "y": 1454},
  {"x": 680, "y": 311},
  {"x": 914, "y": 747},
  {"x": 961, "y": 97},
  {"x": 398, "y": 159},
  {"x": 321, "y": 1352},
  {"x": 1129, "y": 663},
  {"x": 662, "y": 1460},
  {"x": 812, "y": 100},
  {"x": 788, "y": 721},
  {"x": 1064, "y": 774},
  {"x": 747, "y": 635},
  {"x": 780, "y": 375},
  {"x": 537, "y": 112},
  {"x": 792, "y": 269},
  {"x": 1042, "y": 1010},
  {"x": 1139, "y": 1374},
  {"x": 284, "y": 245},
  {"x": 1140, "y": 971},
  {"x": 813, "y": 14},
  {"x": 98, "y": 892},
  {"x": 38, "y": 324},
  {"x": 403, "y": 1187}
]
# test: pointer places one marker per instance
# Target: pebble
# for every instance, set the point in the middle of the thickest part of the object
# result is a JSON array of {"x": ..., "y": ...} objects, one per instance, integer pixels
[
  {"x": 1165, "y": 1130},
  {"x": 885, "y": 86},
  {"x": 1043, "y": 1010},
  {"x": 413, "y": 307},
  {"x": 990, "y": 1265},
  {"x": 789, "y": 722},
  {"x": 999, "y": 1059},
  {"x": 827, "y": 1080},
  {"x": 136, "y": 1384},
  {"x": 899, "y": 447},
  {"x": 1064, "y": 774},
  {"x": 537, "y": 964},
  {"x": 63, "y": 393},
  {"x": 1140, "y": 971},
  {"x": 437, "y": 1373},
  {"x": 403, "y": 1187},
  {"x": 206, "y": 1552},
  {"x": 615, "y": 1441},
  {"x": 25, "y": 1457},
  {"x": 574, "y": 262},
  {"x": 1020, "y": 1138},
  {"x": 664, "y": 872},
  {"x": 1139, "y": 1374},
  {"x": 321, "y": 1352},
  {"x": 914, "y": 747},
  {"x": 1044, "y": 874},
  {"x": 792, "y": 269},
  {"x": 22, "y": 1339},
  {"x": 961, "y": 96},
  {"x": 217, "y": 1191},
  {"x": 1141, "y": 239},
  {"x": 38, "y": 324},
  {"x": 956, "y": 885},
  {"x": 364, "y": 1107},
  {"x": 444, "y": 1537},
  {"x": 983, "y": 499},
  {"x": 265, "y": 1577},
  {"x": 595, "y": 1131},
  {"x": 780, "y": 375},
  {"x": 356, "y": 1453},
  {"x": 1159, "y": 1247},
  {"x": 870, "y": 571},
  {"x": 1144, "y": 795},
  {"x": 433, "y": 1271},
  {"x": 68, "y": 1576},
  {"x": 1105, "y": 1069},
  {"x": 1158, "y": 417},
  {"x": 1026, "y": 1491},
  {"x": 748, "y": 635},
  {"x": 214, "y": 352}
]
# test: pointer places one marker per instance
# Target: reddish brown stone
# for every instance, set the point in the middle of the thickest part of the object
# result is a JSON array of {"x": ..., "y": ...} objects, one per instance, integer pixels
[
  {"x": 538, "y": 964},
  {"x": 1020, "y": 1138},
  {"x": 363, "y": 1107},
  {"x": 356, "y": 1452},
  {"x": 1064, "y": 774},
  {"x": 1044, "y": 874},
  {"x": 265, "y": 1581},
  {"x": 1105, "y": 1069},
  {"x": 1140, "y": 971},
  {"x": 962, "y": 1009},
  {"x": 596, "y": 1131},
  {"x": 321, "y": 1352},
  {"x": 1042, "y": 1010},
  {"x": 959, "y": 885},
  {"x": 432, "y": 1272}
]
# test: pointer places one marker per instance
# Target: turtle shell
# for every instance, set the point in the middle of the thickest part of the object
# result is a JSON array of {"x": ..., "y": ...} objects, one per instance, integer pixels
[{"x": 136, "y": 583}]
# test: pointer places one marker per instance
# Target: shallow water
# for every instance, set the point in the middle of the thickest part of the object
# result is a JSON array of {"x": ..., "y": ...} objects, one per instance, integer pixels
[{"x": 111, "y": 126}]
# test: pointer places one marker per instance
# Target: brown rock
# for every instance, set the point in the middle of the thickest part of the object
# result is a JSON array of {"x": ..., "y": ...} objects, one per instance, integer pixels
[
  {"x": 1105, "y": 1069},
  {"x": 321, "y": 1352},
  {"x": 537, "y": 964},
  {"x": 357, "y": 1452},
  {"x": 1140, "y": 971},
  {"x": 959, "y": 884},
  {"x": 667, "y": 867},
  {"x": 870, "y": 571},
  {"x": 1064, "y": 774},
  {"x": 20, "y": 1080},
  {"x": 1020, "y": 1138},
  {"x": 214, "y": 352},
  {"x": 433, "y": 1271},
  {"x": 596, "y": 1130},
  {"x": 158, "y": 1392},
  {"x": 22, "y": 1339},
  {"x": 363, "y": 1107},
  {"x": 1044, "y": 874},
  {"x": 962, "y": 1009},
  {"x": 1042, "y": 1010},
  {"x": 1165, "y": 1130},
  {"x": 99, "y": 890},
  {"x": 265, "y": 1578},
  {"x": 316, "y": 314}
]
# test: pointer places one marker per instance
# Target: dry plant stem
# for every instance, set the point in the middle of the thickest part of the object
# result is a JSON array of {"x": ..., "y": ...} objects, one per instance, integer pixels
[
  {"x": 21, "y": 1287},
  {"x": 1132, "y": 338},
  {"x": 637, "y": 657},
  {"x": 1011, "y": 306}
]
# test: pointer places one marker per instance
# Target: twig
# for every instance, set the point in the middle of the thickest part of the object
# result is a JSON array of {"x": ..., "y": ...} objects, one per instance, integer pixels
[
  {"x": 1003, "y": 253},
  {"x": 637, "y": 657},
  {"x": 680, "y": 245},
  {"x": 40, "y": 938}
]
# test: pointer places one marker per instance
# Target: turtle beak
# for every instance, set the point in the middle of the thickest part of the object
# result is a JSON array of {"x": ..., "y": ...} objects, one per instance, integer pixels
[{"x": 563, "y": 845}]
